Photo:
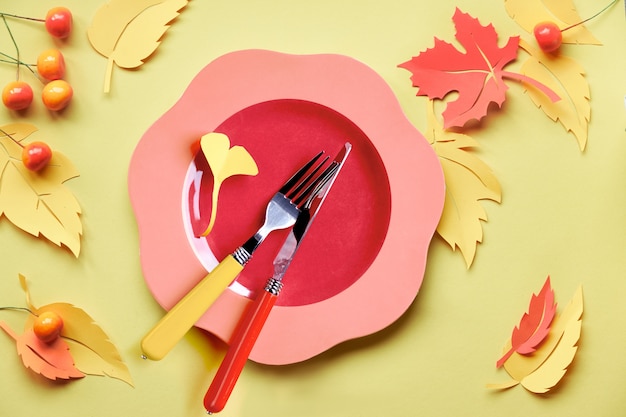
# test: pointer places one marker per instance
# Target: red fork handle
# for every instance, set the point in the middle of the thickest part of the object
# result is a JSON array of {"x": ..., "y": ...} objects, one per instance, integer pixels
[{"x": 241, "y": 345}]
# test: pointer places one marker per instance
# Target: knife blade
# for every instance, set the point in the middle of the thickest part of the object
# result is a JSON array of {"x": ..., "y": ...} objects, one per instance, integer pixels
[{"x": 251, "y": 324}]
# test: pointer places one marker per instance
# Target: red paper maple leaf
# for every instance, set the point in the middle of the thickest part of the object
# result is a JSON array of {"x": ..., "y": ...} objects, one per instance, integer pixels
[
  {"x": 534, "y": 325},
  {"x": 476, "y": 74}
]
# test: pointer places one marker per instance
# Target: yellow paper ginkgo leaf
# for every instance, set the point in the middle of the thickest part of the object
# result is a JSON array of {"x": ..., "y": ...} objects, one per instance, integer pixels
[
  {"x": 567, "y": 78},
  {"x": 93, "y": 352},
  {"x": 38, "y": 202},
  {"x": 224, "y": 162},
  {"x": 527, "y": 13},
  {"x": 468, "y": 180},
  {"x": 129, "y": 31}
]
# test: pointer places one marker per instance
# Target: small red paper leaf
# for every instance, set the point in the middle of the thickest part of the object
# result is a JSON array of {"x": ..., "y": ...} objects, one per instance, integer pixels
[
  {"x": 534, "y": 325},
  {"x": 476, "y": 74},
  {"x": 52, "y": 360}
]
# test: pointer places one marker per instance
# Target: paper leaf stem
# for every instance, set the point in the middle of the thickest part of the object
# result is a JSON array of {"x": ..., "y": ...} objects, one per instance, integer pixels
[
  {"x": 527, "y": 13},
  {"x": 468, "y": 180},
  {"x": 91, "y": 348},
  {"x": 475, "y": 74},
  {"x": 566, "y": 77},
  {"x": 51, "y": 360},
  {"x": 38, "y": 202},
  {"x": 534, "y": 325},
  {"x": 129, "y": 31},
  {"x": 224, "y": 162}
]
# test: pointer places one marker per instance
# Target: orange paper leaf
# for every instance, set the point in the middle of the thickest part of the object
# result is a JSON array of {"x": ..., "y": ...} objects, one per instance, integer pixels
[
  {"x": 93, "y": 352},
  {"x": 38, "y": 202},
  {"x": 129, "y": 31},
  {"x": 51, "y": 360},
  {"x": 468, "y": 181},
  {"x": 541, "y": 370},
  {"x": 534, "y": 325}
]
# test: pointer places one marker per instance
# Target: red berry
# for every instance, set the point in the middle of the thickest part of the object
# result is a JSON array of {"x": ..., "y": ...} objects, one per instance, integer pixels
[
  {"x": 36, "y": 155},
  {"x": 17, "y": 95},
  {"x": 59, "y": 22},
  {"x": 47, "y": 326},
  {"x": 549, "y": 36}
]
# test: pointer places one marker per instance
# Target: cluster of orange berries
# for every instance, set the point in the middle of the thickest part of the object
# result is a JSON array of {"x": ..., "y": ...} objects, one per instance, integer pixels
[{"x": 57, "y": 93}]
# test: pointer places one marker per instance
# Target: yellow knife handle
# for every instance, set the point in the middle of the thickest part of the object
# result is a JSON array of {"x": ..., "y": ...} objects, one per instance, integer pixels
[{"x": 173, "y": 326}]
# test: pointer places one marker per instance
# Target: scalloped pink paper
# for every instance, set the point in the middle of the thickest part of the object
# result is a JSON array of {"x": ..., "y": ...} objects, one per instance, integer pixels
[{"x": 369, "y": 300}]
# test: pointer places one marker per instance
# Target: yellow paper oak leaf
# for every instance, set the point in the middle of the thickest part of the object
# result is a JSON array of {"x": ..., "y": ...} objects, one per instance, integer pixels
[
  {"x": 527, "y": 13},
  {"x": 38, "y": 202},
  {"x": 540, "y": 371},
  {"x": 468, "y": 181},
  {"x": 224, "y": 162},
  {"x": 129, "y": 31}
]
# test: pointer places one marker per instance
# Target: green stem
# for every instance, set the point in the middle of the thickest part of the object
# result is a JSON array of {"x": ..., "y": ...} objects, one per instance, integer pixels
[
  {"x": 589, "y": 18},
  {"x": 18, "y": 309},
  {"x": 22, "y": 17},
  {"x": 17, "y": 49},
  {"x": 11, "y": 60}
]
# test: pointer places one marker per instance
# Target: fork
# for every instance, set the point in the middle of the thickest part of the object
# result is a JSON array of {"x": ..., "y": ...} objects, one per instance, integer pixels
[{"x": 281, "y": 212}]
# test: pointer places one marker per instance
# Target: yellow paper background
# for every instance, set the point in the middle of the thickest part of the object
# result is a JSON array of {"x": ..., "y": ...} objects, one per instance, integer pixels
[{"x": 563, "y": 213}]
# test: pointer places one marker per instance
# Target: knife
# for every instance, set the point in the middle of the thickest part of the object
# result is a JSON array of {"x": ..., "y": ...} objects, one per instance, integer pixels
[{"x": 250, "y": 325}]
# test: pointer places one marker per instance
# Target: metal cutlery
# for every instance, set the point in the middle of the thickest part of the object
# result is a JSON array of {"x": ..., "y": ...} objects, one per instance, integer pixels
[
  {"x": 281, "y": 212},
  {"x": 251, "y": 324}
]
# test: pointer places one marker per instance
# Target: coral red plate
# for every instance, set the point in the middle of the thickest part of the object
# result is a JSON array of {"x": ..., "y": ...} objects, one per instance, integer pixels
[{"x": 363, "y": 261}]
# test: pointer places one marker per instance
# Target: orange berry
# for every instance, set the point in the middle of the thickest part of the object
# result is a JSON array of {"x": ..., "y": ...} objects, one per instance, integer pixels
[
  {"x": 17, "y": 95},
  {"x": 47, "y": 326},
  {"x": 57, "y": 95},
  {"x": 51, "y": 64}
]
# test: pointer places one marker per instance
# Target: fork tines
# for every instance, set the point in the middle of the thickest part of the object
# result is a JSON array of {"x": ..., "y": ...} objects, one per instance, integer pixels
[{"x": 308, "y": 180}]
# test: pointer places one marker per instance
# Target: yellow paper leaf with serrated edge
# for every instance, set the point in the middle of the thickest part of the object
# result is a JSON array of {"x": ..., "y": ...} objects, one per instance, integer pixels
[
  {"x": 468, "y": 180},
  {"x": 129, "y": 31},
  {"x": 224, "y": 162},
  {"x": 93, "y": 352},
  {"x": 38, "y": 202},
  {"x": 542, "y": 370},
  {"x": 567, "y": 78},
  {"x": 527, "y": 13}
]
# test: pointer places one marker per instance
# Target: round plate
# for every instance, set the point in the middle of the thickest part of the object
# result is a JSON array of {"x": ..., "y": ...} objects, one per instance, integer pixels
[{"x": 378, "y": 219}]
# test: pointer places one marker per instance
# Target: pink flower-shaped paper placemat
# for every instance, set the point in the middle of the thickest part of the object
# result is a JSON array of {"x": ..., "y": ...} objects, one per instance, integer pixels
[{"x": 364, "y": 259}]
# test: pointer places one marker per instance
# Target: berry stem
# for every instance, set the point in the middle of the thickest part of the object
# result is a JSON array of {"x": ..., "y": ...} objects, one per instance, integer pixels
[
  {"x": 19, "y": 309},
  {"x": 589, "y": 18},
  {"x": 22, "y": 17},
  {"x": 10, "y": 60},
  {"x": 8, "y": 135},
  {"x": 17, "y": 49}
]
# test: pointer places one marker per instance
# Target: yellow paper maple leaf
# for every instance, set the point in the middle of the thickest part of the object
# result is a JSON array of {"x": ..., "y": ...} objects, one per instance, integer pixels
[
  {"x": 468, "y": 180},
  {"x": 544, "y": 368},
  {"x": 527, "y": 13},
  {"x": 567, "y": 78},
  {"x": 129, "y": 31},
  {"x": 38, "y": 202}
]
